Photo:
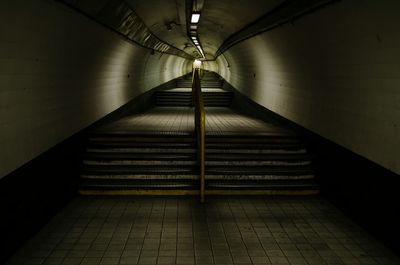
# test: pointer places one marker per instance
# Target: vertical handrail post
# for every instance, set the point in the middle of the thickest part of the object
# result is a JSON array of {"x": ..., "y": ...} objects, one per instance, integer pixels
[{"x": 199, "y": 125}]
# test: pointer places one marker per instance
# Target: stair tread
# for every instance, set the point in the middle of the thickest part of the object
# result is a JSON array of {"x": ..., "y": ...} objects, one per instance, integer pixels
[
  {"x": 261, "y": 168},
  {"x": 142, "y": 144},
  {"x": 142, "y": 162},
  {"x": 130, "y": 176},
  {"x": 264, "y": 177},
  {"x": 139, "y": 156},
  {"x": 256, "y": 157},
  {"x": 262, "y": 185},
  {"x": 143, "y": 168},
  {"x": 142, "y": 150},
  {"x": 139, "y": 184}
]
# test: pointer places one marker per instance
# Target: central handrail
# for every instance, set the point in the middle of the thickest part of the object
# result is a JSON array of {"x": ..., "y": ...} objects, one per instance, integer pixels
[{"x": 200, "y": 127}]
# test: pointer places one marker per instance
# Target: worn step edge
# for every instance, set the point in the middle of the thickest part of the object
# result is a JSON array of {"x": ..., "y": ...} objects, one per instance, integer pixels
[
  {"x": 253, "y": 151},
  {"x": 140, "y": 162},
  {"x": 155, "y": 162},
  {"x": 143, "y": 150},
  {"x": 259, "y": 170},
  {"x": 137, "y": 156},
  {"x": 141, "y": 176},
  {"x": 180, "y": 192},
  {"x": 142, "y": 144},
  {"x": 259, "y": 177}
]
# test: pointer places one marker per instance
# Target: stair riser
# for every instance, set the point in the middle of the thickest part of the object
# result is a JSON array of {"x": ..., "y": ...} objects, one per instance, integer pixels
[
  {"x": 139, "y": 145},
  {"x": 259, "y": 177},
  {"x": 120, "y": 170},
  {"x": 141, "y": 177},
  {"x": 139, "y": 157},
  {"x": 127, "y": 161},
  {"x": 140, "y": 163},
  {"x": 209, "y": 177},
  {"x": 142, "y": 150},
  {"x": 244, "y": 152},
  {"x": 211, "y": 141}
]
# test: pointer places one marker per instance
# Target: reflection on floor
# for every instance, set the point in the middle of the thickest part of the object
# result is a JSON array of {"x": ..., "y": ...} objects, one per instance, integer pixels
[{"x": 171, "y": 230}]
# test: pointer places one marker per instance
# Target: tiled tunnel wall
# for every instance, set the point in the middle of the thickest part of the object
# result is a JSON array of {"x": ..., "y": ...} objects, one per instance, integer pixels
[
  {"x": 60, "y": 72},
  {"x": 334, "y": 72}
]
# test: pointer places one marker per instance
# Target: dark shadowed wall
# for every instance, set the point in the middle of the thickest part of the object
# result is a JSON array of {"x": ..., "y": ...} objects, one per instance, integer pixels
[{"x": 60, "y": 72}]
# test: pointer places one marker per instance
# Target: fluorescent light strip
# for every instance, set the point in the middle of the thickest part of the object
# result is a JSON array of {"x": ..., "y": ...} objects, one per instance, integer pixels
[
  {"x": 201, "y": 50},
  {"x": 195, "y": 18}
]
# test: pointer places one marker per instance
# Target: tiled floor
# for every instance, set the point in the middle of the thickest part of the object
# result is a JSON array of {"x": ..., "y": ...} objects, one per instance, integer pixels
[
  {"x": 180, "y": 119},
  {"x": 180, "y": 230}
]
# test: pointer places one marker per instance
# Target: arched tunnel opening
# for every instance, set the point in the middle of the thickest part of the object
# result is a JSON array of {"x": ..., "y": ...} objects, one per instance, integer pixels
[{"x": 315, "y": 81}]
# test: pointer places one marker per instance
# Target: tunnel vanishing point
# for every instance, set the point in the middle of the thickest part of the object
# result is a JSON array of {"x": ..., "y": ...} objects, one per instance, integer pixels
[{"x": 321, "y": 77}]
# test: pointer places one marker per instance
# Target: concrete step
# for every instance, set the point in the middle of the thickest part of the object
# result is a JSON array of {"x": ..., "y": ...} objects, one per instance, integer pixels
[
  {"x": 256, "y": 177},
  {"x": 258, "y": 185},
  {"x": 139, "y": 156},
  {"x": 257, "y": 157},
  {"x": 259, "y": 170},
  {"x": 185, "y": 162},
  {"x": 148, "y": 176},
  {"x": 140, "y": 144},
  {"x": 251, "y": 163},
  {"x": 142, "y": 170},
  {"x": 130, "y": 162},
  {"x": 123, "y": 184},
  {"x": 110, "y": 150},
  {"x": 271, "y": 150}
]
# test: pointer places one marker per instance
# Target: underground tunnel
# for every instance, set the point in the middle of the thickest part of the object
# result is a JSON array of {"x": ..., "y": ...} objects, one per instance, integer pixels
[{"x": 199, "y": 132}]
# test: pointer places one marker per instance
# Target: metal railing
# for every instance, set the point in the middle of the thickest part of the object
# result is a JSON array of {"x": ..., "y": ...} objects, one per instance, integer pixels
[{"x": 200, "y": 127}]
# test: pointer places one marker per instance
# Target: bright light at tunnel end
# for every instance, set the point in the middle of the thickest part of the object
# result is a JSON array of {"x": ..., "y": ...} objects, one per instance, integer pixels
[
  {"x": 196, "y": 64},
  {"x": 195, "y": 18}
]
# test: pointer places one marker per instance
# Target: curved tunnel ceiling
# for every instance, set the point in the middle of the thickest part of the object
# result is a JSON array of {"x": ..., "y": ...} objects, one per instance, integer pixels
[
  {"x": 166, "y": 20},
  {"x": 220, "y": 19}
]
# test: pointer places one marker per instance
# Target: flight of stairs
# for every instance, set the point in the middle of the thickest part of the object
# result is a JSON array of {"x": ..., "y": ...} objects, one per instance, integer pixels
[
  {"x": 181, "y": 96},
  {"x": 165, "y": 163},
  {"x": 263, "y": 163},
  {"x": 115, "y": 163}
]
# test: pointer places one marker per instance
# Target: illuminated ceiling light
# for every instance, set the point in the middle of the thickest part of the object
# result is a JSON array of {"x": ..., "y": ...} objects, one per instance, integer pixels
[
  {"x": 195, "y": 18},
  {"x": 193, "y": 27},
  {"x": 194, "y": 38},
  {"x": 200, "y": 50},
  {"x": 197, "y": 63}
]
